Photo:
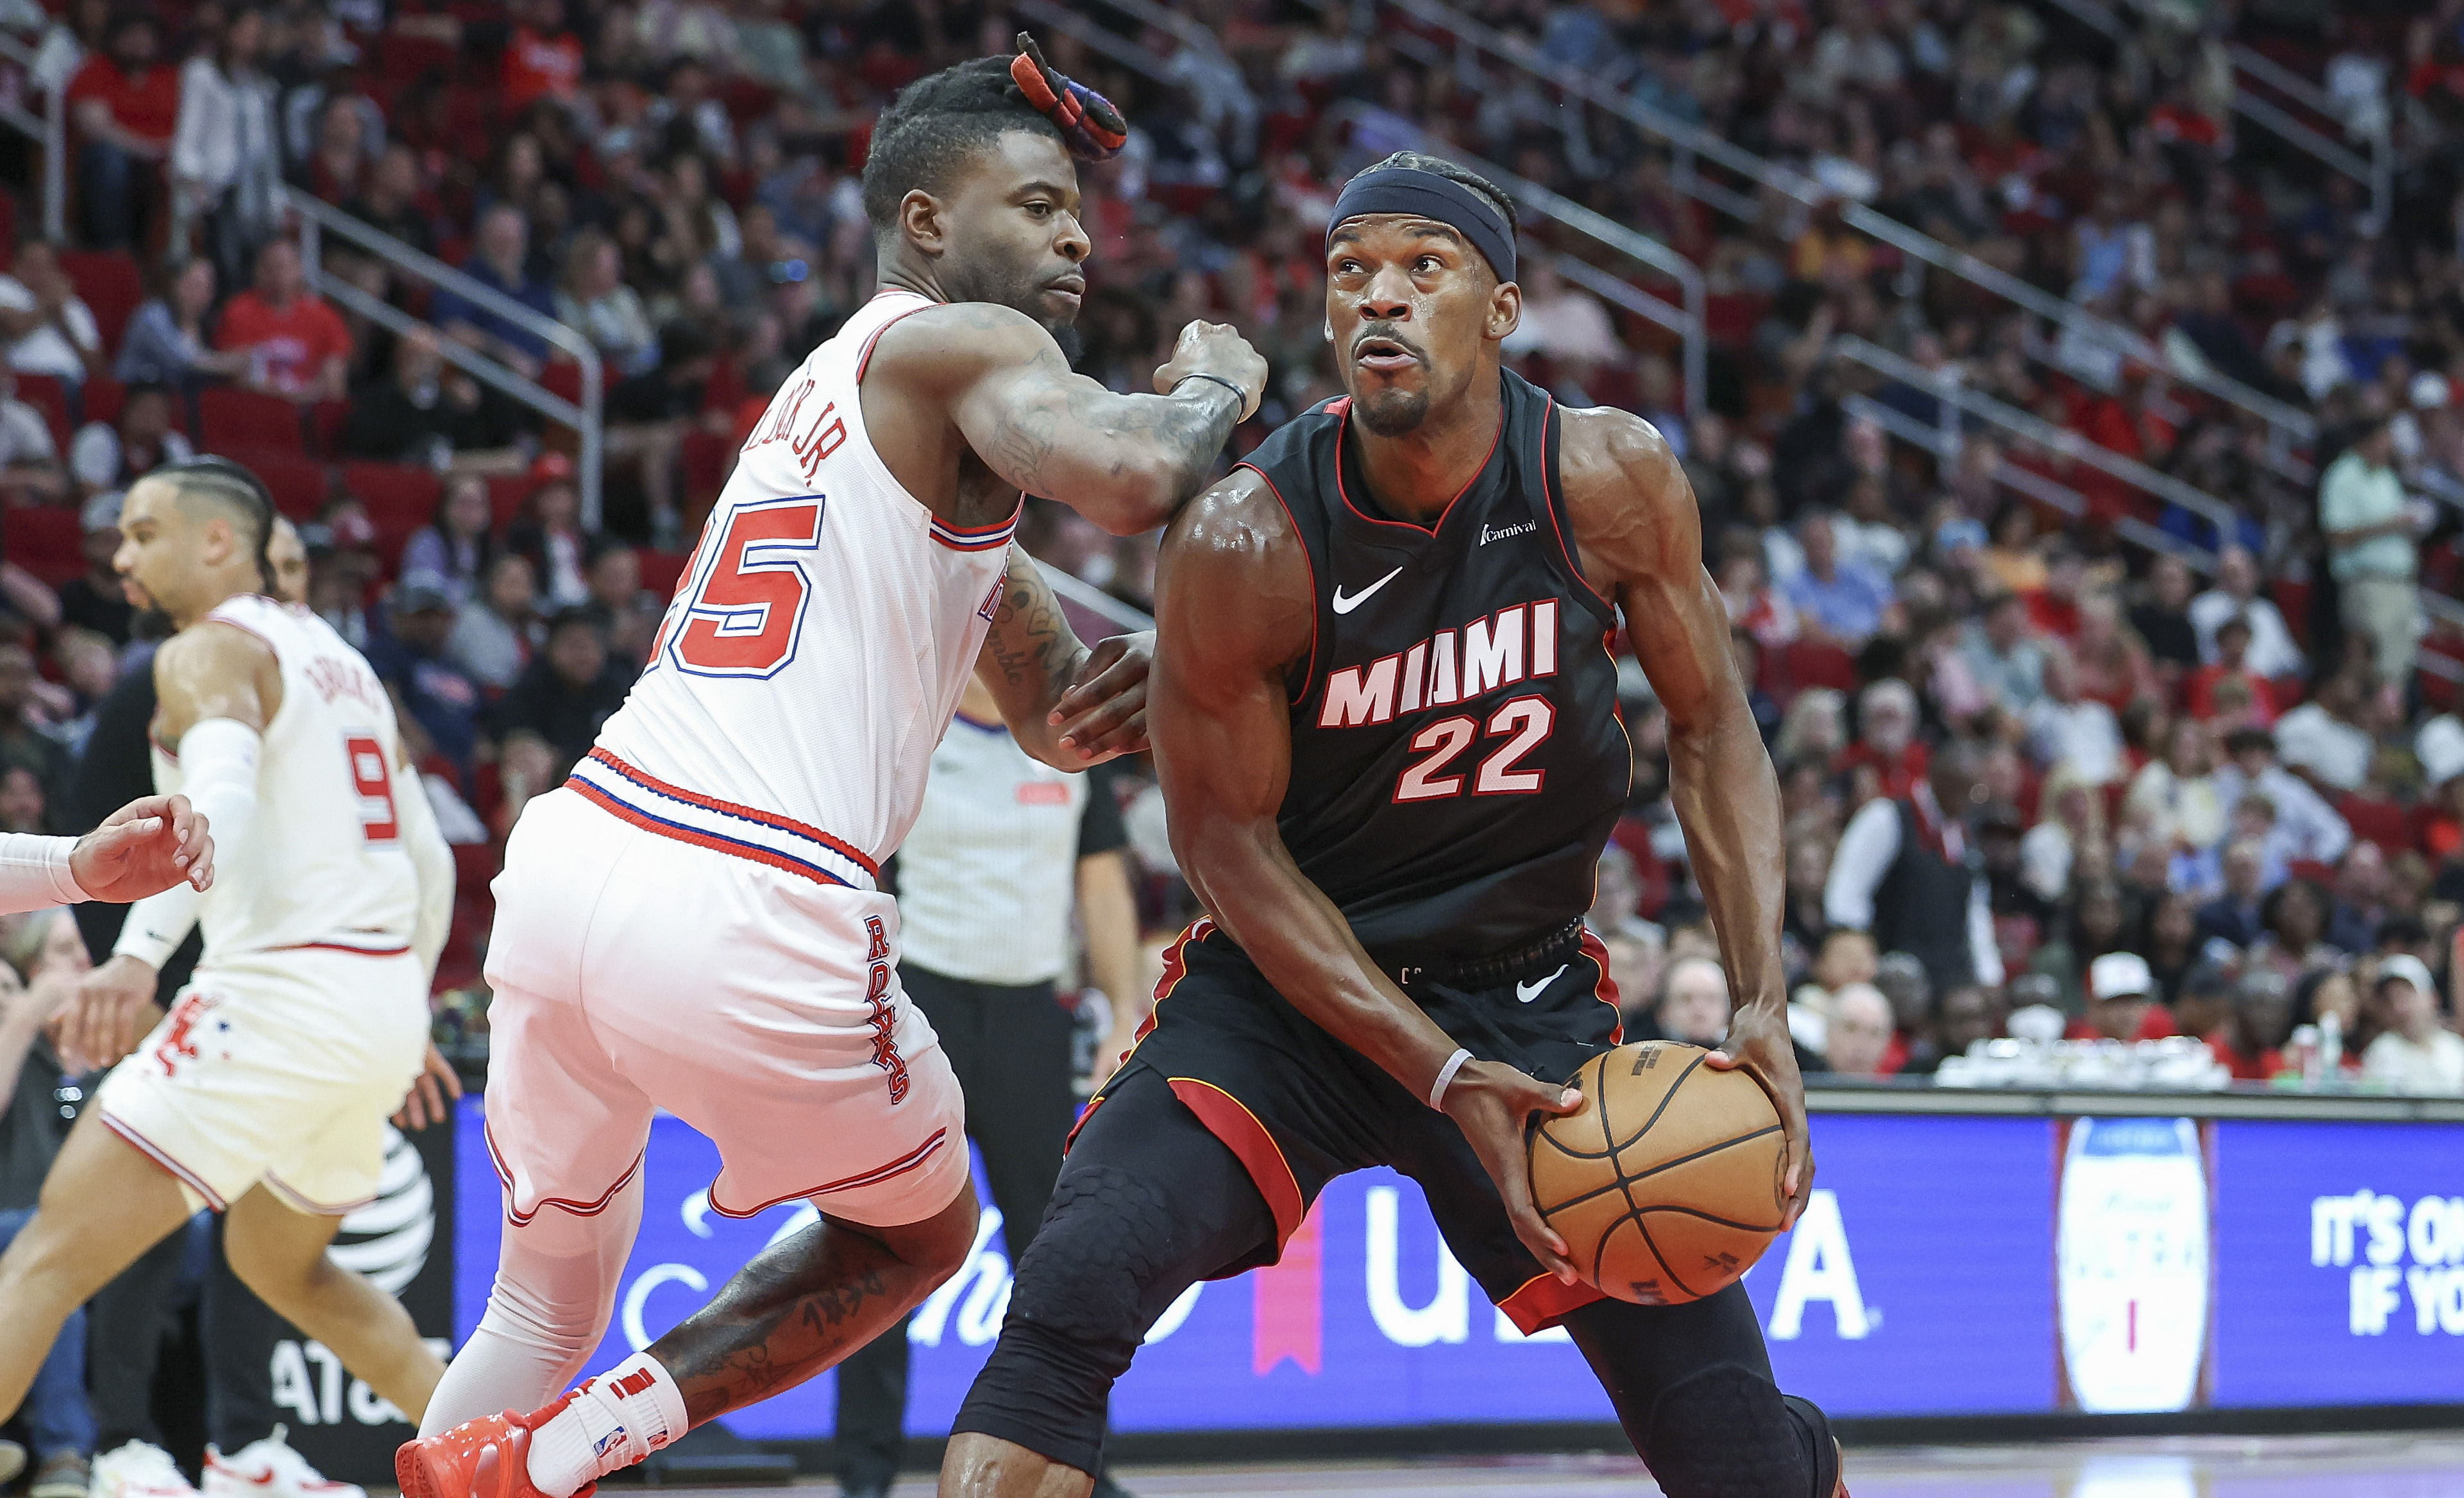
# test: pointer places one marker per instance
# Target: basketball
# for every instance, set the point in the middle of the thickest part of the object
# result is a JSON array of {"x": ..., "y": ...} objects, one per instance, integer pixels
[{"x": 1667, "y": 1184}]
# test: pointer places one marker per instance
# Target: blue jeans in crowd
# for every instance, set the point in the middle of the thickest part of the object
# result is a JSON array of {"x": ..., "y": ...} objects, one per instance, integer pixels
[
  {"x": 56, "y": 1414},
  {"x": 111, "y": 185}
]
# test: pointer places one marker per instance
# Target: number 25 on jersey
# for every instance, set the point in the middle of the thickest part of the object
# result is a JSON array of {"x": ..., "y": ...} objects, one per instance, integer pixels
[{"x": 741, "y": 606}]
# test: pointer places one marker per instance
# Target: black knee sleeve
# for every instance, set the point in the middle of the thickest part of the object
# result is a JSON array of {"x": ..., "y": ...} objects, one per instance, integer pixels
[{"x": 1727, "y": 1432}]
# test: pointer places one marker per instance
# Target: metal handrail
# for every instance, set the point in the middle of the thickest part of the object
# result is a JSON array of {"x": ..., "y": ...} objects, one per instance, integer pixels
[
  {"x": 49, "y": 130},
  {"x": 2070, "y": 444},
  {"x": 1694, "y": 141},
  {"x": 1128, "y": 53},
  {"x": 2059, "y": 439},
  {"x": 587, "y": 416},
  {"x": 2037, "y": 485}
]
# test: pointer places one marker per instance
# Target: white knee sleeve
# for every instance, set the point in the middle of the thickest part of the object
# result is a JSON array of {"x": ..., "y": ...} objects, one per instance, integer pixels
[{"x": 556, "y": 1287}]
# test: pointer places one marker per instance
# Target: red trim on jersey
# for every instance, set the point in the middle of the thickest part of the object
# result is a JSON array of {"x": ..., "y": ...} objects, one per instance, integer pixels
[
  {"x": 339, "y": 946},
  {"x": 1606, "y": 989},
  {"x": 1176, "y": 967},
  {"x": 1345, "y": 424},
  {"x": 911, "y": 1160},
  {"x": 1229, "y": 1119},
  {"x": 733, "y": 848},
  {"x": 160, "y": 1157},
  {"x": 767, "y": 818},
  {"x": 864, "y": 359},
  {"x": 1544, "y": 1300},
  {"x": 505, "y": 1176},
  {"x": 1552, "y": 499},
  {"x": 1310, "y": 676},
  {"x": 311, "y": 1206},
  {"x": 981, "y": 537}
]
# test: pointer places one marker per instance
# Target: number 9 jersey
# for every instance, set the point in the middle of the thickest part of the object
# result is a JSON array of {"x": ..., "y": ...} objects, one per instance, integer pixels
[
  {"x": 324, "y": 866},
  {"x": 815, "y": 648}
]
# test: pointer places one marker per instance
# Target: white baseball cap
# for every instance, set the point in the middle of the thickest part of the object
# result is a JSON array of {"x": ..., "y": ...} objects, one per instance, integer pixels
[
  {"x": 2409, "y": 968},
  {"x": 2440, "y": 749},
  {"x": 2120, "y": 975}
]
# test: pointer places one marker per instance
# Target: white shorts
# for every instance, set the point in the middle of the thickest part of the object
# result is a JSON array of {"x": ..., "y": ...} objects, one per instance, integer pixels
[
  {"x": 281, "y": 1068},
  {"x": 633, "y": 972}
]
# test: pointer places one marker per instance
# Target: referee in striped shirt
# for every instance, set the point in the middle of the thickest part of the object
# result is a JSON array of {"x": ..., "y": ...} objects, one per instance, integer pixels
[{"x": 1003, "y": 851}]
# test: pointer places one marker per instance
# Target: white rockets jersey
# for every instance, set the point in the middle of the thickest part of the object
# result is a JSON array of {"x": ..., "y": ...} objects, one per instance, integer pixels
[
  {"x": 325, "y": 865},
  {"x": 815, "y": 648}
]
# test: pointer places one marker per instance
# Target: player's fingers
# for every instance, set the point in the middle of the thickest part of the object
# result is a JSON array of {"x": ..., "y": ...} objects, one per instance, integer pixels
[
  {"x": 1094, "y": 731},
  {"x": 1112, "y": 669}
]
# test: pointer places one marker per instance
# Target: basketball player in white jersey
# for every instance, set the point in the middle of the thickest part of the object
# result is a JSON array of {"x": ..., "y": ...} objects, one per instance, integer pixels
[
  {"x": 693, "y": 922},
  {"x": 264, "y": 1092}
]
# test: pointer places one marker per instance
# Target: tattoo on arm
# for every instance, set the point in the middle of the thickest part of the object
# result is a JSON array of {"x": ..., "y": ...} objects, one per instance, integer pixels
[
  {"x": 1058, "y": 421},
  {"x": 1030, "y": 640}
]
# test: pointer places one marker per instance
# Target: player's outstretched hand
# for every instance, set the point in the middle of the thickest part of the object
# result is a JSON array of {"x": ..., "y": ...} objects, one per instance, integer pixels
[
  {"x": 113, "y": 1011},
  {"x": 1217, "y": 349},
  {"x": 143, "y": 848},
  {"x": 1758, "y": 1044},
  {"x": 1104, "y": 712},
  {"x": 1493, "y": 1103},
  {"x": 431, "y": 1093}
]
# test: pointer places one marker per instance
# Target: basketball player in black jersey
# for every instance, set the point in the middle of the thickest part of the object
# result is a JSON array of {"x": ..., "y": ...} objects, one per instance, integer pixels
[{"x": 1387, "y": 732}]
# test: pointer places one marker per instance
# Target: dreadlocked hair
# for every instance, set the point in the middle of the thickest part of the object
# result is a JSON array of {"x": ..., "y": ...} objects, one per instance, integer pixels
[
  {"x": 236, "y": 488},
  {"x": 1462, "y": 176},
  {"x": 935, "y": 124}
]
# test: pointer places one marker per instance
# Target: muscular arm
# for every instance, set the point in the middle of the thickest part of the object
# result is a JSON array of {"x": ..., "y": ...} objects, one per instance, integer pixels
[
  {"x": 1640, "y": 540},
  {"x": 1032, "y": 661},
  {"x": 1126, "y": 462},
  {"x": 1237, "y": 609}
]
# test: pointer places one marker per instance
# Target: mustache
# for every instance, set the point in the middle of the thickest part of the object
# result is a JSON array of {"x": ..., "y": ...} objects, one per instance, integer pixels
[{"x": 1386, "y": 333}]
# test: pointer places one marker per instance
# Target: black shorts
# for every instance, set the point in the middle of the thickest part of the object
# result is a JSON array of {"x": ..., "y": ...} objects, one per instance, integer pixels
[{"x": 1299, "y": 1108}]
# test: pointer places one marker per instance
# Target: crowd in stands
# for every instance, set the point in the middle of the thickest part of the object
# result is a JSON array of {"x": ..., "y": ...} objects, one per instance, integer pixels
[{"x": 2014, "y": 744}]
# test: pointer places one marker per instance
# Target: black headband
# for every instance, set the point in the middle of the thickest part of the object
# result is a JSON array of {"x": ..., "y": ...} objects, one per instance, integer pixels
[{"x": 1424, "y": 194}]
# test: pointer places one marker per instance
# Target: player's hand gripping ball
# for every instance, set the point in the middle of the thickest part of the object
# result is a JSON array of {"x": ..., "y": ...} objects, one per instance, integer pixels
[{"x": 1667, "y": 1184}]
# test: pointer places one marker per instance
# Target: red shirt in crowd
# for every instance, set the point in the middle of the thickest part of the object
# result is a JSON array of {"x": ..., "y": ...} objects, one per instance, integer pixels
[
  {"x": 2245, "y": 1068},
  {"x": 1898, "y": 775},
  {"x": 294, "y": 341},
  {"x": 2200, "y": 693},
  {"x": 537, "y": 66},
  {"x": 146, "y": 106}
]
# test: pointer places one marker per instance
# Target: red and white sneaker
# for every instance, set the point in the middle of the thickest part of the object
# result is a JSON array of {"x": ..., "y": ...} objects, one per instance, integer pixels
[
  {"x": 269, "y": 1468},
  {"x": 484, "y": 1457}
]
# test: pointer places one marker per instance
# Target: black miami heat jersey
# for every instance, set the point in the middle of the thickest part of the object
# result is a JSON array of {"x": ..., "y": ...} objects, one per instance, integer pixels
[{"x": 1456, "y": 759}]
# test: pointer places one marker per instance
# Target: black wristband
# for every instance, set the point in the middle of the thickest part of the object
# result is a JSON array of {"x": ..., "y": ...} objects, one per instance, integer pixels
[{"x": 1237, "y": 394}]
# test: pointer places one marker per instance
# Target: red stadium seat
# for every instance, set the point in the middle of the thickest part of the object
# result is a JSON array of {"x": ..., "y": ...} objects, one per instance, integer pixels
[
  {"x": 506, "y": 493},
  {"x": 101, "y": 398},
  {"x": 235, "y": 418},
  {"x": 111, "y": 284},
  {"x": 46, "y": 394},
  {"x": 2382, "y": 822},
  {"x": 661, "y": 570},
  {"x": 1812, "y": 663},
  {"x": 398, "y": 499},
  {"x": 404, "y": 60},
  {"x": 46, "y": 541},
  {"x": 299, "y": 484},
  {"x": 325, "y": 421}
]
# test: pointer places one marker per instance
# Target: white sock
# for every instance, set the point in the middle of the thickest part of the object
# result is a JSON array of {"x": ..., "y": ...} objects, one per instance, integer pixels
[{"x": 619, "y": 1417}]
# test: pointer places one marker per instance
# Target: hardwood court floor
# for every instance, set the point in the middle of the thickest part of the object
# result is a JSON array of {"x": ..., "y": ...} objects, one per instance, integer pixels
[{"x": 2403, "y": 1465}]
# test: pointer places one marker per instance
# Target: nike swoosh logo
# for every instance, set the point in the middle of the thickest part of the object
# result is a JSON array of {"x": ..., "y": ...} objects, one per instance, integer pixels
[
  {"x": 1526, "y": 992},
  {"x": 1345, "y": 606}
]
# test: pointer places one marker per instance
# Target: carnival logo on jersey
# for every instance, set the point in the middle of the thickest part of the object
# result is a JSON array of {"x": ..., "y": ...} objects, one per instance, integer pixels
[
  {"x": 1503, "y": 532},
  {"x": 2371, "y": 1234},
  {"x": 1512, "y": 645}
]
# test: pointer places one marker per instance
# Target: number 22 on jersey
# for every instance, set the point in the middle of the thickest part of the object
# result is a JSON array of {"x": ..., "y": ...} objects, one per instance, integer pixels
[{"x": 740, "y": 606}]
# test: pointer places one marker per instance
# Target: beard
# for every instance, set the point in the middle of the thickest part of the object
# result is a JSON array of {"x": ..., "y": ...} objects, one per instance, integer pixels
[
  {"x": 1392, "y": 413},
  {"x": 1022, "y": 291},
  {"x": 150, "y": 623}
]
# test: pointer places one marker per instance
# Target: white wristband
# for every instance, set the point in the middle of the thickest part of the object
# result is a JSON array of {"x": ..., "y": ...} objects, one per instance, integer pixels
[{"x": 1447, "y": 1077}]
